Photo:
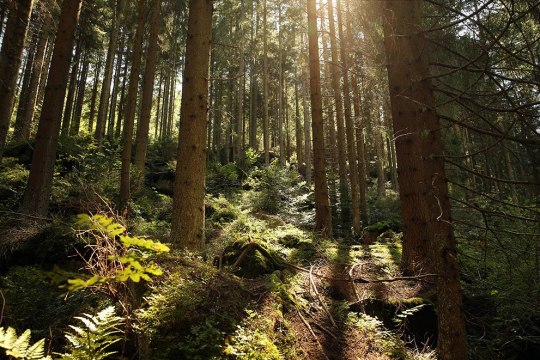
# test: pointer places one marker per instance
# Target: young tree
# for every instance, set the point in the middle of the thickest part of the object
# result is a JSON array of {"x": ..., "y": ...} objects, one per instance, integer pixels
[
  {"x": 10, "y": 61},
  {"x": 323, "y": 216},
  {"x": 187, "y": 230},
  {"x": 422, "y": 179},
  {"x": 38, "y": 188}
]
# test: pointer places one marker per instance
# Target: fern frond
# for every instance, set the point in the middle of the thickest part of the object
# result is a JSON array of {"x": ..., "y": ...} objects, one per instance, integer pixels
[
  {"x": 19, "y": 347},
  {"x": 92, "y": 340}
]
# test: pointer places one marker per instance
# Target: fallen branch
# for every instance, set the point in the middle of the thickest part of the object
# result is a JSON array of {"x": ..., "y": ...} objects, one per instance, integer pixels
[
  {"x": 313, "y": 334},
  {"x": 312, "y": 282}
]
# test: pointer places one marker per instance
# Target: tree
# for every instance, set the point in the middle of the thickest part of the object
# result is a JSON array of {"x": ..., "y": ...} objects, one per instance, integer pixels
[
  {"x": 10, "y": 61},
  {"x": 428, "y": 234},
  {"x": 323, "y": 217},
  {"x": 187, "y": 230},
  {"x": 131, "y": 101},
  {"x": 148, "y": 91},
  {"x": 38, "y": 188}
]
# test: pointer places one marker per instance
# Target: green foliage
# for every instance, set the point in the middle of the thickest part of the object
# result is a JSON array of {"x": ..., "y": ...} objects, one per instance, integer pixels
[
  {"x": 123, "y": 260},
  {"x": 204, "y": 341},
  {"x": 12, "y": 182},
  {"x": 384, "y": 213},
  {"x": 92, "y": 339},
  {"x": 33, "y": 302},
  {"x": 271, "y": 185},
  {"x": 18, "y": 347},
  {"x": 223, "y": 179},
  {"x": 252, "y": 342},
  {"x": 220, "y": 211}
]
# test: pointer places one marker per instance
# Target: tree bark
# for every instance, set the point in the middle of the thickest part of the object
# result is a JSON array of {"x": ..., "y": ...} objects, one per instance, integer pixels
[
  {"x": 148, "y": 92},
  {"x": 266, "y": 122},
  {"x": 38, "y": 189},
  {"x": 187, "y": 230},
  {"x": 341, "y": 141},
  {"x": 422, "y": 179},
  {"x": 323, "y": 217},
  {"x": 10, "y": 61},
  {"x": 349, "y": 126},
  {"x": 109, "y": 64},
  {"x": 131, "y": 102},
  {"x": 76, "y": 123}
]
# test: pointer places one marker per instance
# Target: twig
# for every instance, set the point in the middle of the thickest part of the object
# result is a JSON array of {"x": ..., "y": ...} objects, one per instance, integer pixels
[
  {"x": 328, "y": 332},
  {"x": 351, "y": 272},
  {"x": 312, "y": 282},
  {"x": 3, "y": 306},
  {"x": 313, "y": 334}
]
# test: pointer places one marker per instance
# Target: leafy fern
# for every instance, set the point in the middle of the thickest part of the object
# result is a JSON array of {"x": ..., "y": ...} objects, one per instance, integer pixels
[
  {"x": 19, "y": 347},
  {"x": 92, "y": 340}
]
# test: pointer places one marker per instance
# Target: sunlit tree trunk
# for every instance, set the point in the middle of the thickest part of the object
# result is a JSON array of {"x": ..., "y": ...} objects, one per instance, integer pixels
[
  {"x": 187, "y": 231},
  {"x": 323, "y": 217},
  {"x": 68, "y": 109},
  {"x": 422, "y": 179},
  {"x": 25, "y": 90},
  {"x": 93, "y": 100},
  {"x": 38, "y": 189},
  {"x": 10, "y": 61},
  {"x": 131, "y": 102},
  {"x": 298, "y": 126}
]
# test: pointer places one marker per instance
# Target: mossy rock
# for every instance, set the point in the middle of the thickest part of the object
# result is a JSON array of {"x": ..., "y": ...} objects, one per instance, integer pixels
[
  {"x": 257, "y": 259},
  {"x": 290, "y": 240}
]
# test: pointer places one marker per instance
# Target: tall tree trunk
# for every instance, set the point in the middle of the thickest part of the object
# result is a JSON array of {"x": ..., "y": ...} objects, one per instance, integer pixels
[
  {"x": 342, "y": 144},
  {"x": 107, "y": 79},
  {"x": 323, "y": 217},
  {"x": 68, "y": 110},
  {"x": 122, "y": 105},
  {"x": 148, "y": 92},
  {"x": 22, "y": 130},
  {"x": 38, "y": 189},
  {"x": 187, "y": 230},
  {"x": 349, "y": 126},
  {"x": 93, "y": 101},
  {"x": 298, "y": 127},
  {"x": 422, "y": 179},
  {"x": 237, "y": 136},
  {"x": 113, "y": 113},
  {"x": 76, "y": 123},
  {"x": 10, "y": 61},
  {"x": 266, "y": 122},
  {"x": 24, "y": 94},
  {"x": 131, "y": 102},
  {"x": 358, "y": 128}
]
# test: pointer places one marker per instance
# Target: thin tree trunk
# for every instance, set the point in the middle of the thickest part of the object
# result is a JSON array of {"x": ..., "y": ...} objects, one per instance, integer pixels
[
  {"x": 349, "y": 126},
  {"x": 24, "y": 94},
  {"x": 107, "y": 79},
  {"x": 298, "y": 127},
  {"x": 76, "y": 124},
  {"x": 187, "y": 230},
  {"x": 148, "y": 92},
  {"x": 68, "y": 110},
  {"x": 358, "y": 129},
  {"x": 323, "y": 218},
  {"x": 266, "y": 122},
  {"x": 122, "y": 106},
  {"x": 93, "y": 101},
  {"x": 131, "y": 101},
  {"x": 38, "y": 189},
  {"x": 341, "y": 141},
  {"x": 113, "y": 113},
  {"x": 22, "y": 132},
  {"x": 10, "y": 61}
]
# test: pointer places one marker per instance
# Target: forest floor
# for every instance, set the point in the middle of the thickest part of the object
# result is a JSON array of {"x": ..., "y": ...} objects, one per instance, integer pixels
[{"x": 267, "y": 287}]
